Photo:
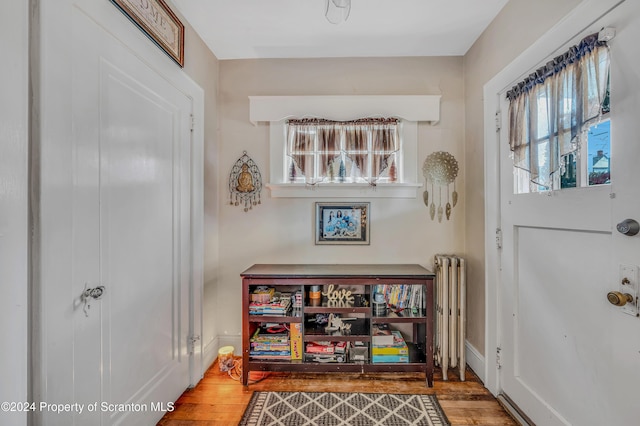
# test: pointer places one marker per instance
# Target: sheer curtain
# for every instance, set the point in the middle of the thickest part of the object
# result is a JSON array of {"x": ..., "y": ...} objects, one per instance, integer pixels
[
  {"x": 301, "y": 146},
  {"x": 357, "y": 145},
  {"x": 550, "y": 111},
  {"x": 385, "y": 142},
  {"x": 315, "y": 144}
]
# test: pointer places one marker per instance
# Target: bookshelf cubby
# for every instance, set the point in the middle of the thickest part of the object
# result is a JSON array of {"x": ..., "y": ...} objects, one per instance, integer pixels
[{"x": 407, "y": 291}]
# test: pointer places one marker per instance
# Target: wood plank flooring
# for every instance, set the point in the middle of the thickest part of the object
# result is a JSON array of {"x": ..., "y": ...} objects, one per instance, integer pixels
[{"x": 219, "y": 400}]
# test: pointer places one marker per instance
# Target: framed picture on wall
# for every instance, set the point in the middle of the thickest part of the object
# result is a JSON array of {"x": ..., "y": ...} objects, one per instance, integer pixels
[
  {"x": 342, "y": 223},
  {"x": 159, "y": 23}
]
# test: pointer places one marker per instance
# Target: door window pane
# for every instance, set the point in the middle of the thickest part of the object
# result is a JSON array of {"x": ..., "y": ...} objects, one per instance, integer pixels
[{"x": 599, "y": 151}]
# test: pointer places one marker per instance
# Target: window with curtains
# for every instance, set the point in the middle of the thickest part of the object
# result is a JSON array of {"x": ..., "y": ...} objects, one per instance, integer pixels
[
  {"x": 559, "y": 121},
  {"x": 359, "y": 151}
]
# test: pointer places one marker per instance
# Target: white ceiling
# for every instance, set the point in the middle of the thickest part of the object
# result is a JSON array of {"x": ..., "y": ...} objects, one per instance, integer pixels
[{"x": 241, "y": 29}]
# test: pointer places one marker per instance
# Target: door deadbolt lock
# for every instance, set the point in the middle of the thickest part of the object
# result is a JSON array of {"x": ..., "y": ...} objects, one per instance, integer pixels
[
  {"x": 619, "y": 299},
  {"x": 628, "y": 227}
]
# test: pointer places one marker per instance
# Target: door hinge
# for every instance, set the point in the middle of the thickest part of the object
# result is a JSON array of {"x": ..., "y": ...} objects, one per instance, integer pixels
[
  {"x": 191, "y": 343},
  {"x": 499, "y": 238},
  {"x": 193, "y": 122},
  {"x": 498, "y": 361},
  {"x": 498, "y": 121}
]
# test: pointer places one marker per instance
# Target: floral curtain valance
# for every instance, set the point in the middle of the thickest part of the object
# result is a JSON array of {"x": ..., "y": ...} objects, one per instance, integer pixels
[{"x": 549, "y": 110}]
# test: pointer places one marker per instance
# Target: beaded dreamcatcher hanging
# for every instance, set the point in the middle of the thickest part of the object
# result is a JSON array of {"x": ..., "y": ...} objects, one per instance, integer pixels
[
  {"x": 440, "y": 168},
  {"x": 245, "y": 183}
]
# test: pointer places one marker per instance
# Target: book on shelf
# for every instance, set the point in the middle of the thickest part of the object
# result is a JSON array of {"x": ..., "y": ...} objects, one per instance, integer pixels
[
  {"x": 270, "y": 356},
  {"x": 399, "y": 346},
  {"x": 380, "y": 359},
  {"x": 270, "y": 342},
  {"x": 295, "y": 332},
  {"x": 320, "y": 347},
  {"x": 279, "y": 306},
  {"x": 381, "y": 334},
  {"x": 400, "y": 297},
  {"x": 286, "y": 353},
  {"x": 264, "y": 346},
  {"x": 263, "y": 335}
]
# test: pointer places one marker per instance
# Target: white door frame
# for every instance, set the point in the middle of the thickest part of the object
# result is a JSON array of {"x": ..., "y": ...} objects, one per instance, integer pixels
[
  {"x": 587, "y": 12},
  {"x": 15, "y": 223},
  {"x": 50, "y": 32}
]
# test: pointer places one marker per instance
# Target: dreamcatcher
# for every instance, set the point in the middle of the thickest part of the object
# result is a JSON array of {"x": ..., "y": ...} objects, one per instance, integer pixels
[
  {"x": 245, "y": 183},
  {"x": 440, "y": 168}
]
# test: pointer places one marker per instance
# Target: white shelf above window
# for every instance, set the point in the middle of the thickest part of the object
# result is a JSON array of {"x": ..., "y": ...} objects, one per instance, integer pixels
[{"x": 424, "y": 108}]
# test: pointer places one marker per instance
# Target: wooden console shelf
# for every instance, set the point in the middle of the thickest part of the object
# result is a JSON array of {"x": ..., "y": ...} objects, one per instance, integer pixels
[{"x": 414, "y": 320}]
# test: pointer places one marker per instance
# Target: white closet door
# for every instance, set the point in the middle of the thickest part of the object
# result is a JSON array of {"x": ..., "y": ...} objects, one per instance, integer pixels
[{"x": 128, "y": 230}]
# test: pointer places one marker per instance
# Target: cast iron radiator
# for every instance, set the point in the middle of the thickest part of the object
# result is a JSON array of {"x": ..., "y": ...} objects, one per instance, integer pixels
[{"x": 450, "y": 314}]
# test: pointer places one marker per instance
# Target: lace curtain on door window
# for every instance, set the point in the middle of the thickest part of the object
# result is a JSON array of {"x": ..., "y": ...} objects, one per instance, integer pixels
[
  {"x": 320, "y": 148},
  {"x": 550, "y": 110}
]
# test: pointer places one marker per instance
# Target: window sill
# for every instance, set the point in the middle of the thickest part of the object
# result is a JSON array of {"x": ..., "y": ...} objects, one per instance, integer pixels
[{"x": 344, "y": 190}]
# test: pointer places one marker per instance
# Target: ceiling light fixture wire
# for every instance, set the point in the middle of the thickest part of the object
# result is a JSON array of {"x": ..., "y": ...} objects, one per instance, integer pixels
[{"x": 337, "y": 11}]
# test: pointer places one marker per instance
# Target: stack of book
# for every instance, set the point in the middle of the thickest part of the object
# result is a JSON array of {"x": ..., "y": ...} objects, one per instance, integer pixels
[
  {"x": 326, "y": 351},
  {"x": 279, "y": 304},
  {"x": 269, "y": 345},
  {"x": 385, "y": 350}
]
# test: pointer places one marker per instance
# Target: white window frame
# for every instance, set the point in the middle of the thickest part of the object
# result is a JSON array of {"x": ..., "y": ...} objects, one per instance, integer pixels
[
  {"x": 406, "y": 186},
  {"x": 410, "y": 109},
  {"x": 343, "y": 155},
  {"x": 522, "y": 183}
]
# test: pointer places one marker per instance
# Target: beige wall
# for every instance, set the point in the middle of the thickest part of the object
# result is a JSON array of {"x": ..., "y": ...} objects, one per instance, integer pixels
[
  {"x": 281, "y": 230},
  {"x": 518, "y": 25},
  {"x": 202, "y": 66}
]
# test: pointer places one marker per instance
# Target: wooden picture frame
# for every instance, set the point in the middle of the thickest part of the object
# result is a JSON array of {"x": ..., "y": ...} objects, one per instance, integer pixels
[
  {"x": 342, "y": 223},
  {"x": 159, "y": 23}
]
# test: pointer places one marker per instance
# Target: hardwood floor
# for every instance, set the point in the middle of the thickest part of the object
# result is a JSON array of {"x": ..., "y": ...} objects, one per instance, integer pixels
[{"x": 218, "y": 400}]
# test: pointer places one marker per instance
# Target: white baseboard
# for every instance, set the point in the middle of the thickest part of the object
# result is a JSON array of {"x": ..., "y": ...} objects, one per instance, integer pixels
[
  {"x": 475, "y": 360},
  {"x": 209, "y": 353}
]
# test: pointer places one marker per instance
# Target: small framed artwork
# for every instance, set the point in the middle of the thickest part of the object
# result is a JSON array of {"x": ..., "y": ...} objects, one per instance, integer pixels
[
  {"x": 159, "y": 23},
  {"x": 342, "y": 223}
]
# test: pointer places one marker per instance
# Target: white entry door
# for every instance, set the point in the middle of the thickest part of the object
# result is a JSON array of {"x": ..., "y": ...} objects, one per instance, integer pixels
[
  {"x": 126, "y": 357},
  {"x": 567, "y": 356}
]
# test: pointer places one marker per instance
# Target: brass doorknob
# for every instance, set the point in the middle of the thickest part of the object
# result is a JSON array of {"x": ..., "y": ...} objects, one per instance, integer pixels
[{"x": 619, "y": 299}]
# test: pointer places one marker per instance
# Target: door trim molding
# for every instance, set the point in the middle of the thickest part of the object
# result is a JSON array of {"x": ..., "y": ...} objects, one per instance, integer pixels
[{"x": 577, "y": 22}]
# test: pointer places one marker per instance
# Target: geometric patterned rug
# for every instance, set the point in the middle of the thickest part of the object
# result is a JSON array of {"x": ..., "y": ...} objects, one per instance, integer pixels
[{"x": 334, "y": 409}]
